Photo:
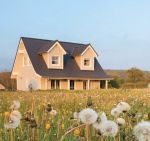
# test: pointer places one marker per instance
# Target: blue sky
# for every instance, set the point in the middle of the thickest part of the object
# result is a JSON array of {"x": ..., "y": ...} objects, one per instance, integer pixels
[{"x": 119, "y": 30}]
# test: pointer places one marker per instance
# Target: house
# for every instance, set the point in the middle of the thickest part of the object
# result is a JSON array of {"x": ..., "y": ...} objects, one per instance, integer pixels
[
  {"x": 52, "y": 64},
  {"x": 2, "y": 88}
]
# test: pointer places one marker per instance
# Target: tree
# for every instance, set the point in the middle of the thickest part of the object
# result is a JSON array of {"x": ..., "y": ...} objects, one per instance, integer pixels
[{"x": 135, "y": 75}]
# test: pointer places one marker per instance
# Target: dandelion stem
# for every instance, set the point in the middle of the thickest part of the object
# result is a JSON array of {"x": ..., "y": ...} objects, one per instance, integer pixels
[
  {"x": 87, "y": 132},
  {"x": 71, "y": 130}
]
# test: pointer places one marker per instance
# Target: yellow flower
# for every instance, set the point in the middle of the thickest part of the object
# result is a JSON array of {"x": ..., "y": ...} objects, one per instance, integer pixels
[
  {"x": 7, "y": 114},
  {"x": 76, "y": 132},
  {"x": 47, "y": 126},
  {"x": 62, "y": 126}
]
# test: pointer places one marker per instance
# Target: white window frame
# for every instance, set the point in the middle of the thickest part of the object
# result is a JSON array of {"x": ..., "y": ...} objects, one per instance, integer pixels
[{"x": 58, "y": 60}]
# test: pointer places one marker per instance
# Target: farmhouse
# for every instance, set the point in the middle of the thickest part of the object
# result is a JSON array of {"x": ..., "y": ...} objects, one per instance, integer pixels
[{"x": 52, "y": 64}]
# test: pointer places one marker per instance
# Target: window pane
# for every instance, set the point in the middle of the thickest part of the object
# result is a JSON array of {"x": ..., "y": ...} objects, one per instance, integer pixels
[
  {"x": 57, "y": 84},
  {"x": 54, "y": 59},
  {"x": 86, "y": 62},
  {"x": 71, "y": 84}
]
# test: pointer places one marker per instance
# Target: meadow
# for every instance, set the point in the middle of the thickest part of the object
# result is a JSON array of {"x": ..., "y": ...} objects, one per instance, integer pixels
[{"x": 38, "y": 123}]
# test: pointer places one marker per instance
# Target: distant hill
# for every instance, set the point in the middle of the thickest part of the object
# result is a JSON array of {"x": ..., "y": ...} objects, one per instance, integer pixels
[{"x": 123, "y": 74}]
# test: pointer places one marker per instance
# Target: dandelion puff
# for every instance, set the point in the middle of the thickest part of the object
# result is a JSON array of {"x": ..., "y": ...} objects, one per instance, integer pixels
[
  {"x": 108, "y": 128},
  {"x": 88, "y": 116},
  {"x": 12, "y": 125},
  {"x": 103, "y": 117},
  {"x": 123, "y": 106},
  {"x": 120, "y": 121},
  {"x": 15, "y": 117},
  {"x": 15, "y": 105},
  {"x": 142, "y": 131},
  {"x": 116, "y": 112},
  {"x": 53, "y": 113}
]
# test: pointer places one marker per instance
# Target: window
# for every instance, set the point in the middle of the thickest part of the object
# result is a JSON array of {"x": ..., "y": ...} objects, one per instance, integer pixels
[
  {"x": 87, "y": 62},
  {"x": 55, "y": 84},
  {"x": 55, "y": 60}
]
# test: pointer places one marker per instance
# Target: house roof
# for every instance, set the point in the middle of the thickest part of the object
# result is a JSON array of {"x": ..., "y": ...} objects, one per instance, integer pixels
[{"x": 71, "y": 69}]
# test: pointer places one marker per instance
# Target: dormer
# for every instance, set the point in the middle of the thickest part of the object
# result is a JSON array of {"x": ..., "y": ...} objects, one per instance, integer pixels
[
  {"x": 54, "y": 56},
  {"x": 85, "y": 60}
]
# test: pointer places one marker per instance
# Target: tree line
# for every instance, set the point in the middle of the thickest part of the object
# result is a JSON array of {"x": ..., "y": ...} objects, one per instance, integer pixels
[{"x": 135, "y": 78}]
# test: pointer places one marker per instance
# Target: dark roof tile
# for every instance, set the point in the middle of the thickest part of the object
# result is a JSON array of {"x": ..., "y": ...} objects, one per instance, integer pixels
[{"x": 71, "y": 69}]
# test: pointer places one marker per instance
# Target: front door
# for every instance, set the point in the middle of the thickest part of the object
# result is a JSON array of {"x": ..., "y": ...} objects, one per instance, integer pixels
[{"x": 71, "y": 84}]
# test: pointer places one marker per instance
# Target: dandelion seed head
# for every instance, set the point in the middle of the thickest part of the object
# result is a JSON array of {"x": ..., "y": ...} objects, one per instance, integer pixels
[
  {"x": 142, "y": 131},
  {"x": 15, "y": 105},
  {"x": 88, "y": 116}
]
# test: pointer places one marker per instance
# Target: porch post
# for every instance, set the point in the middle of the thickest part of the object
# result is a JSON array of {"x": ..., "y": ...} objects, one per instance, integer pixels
[
  {"x": 88, "y": 85},
  {"x": 106, "y": 84},
  {"x": 55, "y": 84},
  {"x": 68, "y": 84}
]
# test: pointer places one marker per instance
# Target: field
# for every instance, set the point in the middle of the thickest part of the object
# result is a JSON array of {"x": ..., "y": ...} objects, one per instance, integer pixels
[{"x": 38, "y": 124}]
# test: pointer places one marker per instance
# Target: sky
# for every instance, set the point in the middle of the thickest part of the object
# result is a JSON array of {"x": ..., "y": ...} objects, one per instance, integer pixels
[{"x": 119, "y": 30}]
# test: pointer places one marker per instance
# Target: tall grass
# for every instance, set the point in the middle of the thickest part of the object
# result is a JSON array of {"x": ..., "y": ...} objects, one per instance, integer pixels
[{"x": 44, "y": 126}]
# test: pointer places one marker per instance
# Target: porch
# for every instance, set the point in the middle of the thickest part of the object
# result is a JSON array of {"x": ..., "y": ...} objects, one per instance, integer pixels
[{"x": 72, "y": 84}]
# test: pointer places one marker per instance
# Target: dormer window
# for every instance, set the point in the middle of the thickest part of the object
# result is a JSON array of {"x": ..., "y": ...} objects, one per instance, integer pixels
[
  {"x": 55, "y": 60},
  {"x": 87, "y": 62}
]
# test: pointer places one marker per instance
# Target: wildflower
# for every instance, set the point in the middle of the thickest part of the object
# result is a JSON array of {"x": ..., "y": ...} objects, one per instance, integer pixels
[
  {"x": 115, "y": 112},
  {"x": 12, "y": 125},
  {"x": 76, "y": 132},
  {"x": 15, "y": 105},
  {"x": 108, "y": 128},
  {"x": 103, "y": 117},
  {"x": 142, "y": 131},
  {"x": 120, "y": 121},
  {"x": 53, "y": 113},
  {"x": 47, "y": 126},
  {"x": 15, "y": 115},
  {"x": 88, "y": 116},
  {"x": 14, "y": 122},
  {"x": 123, "y": 106},
  {"x": 62, "y": 126},
  {"x": 7, "y": 114}
]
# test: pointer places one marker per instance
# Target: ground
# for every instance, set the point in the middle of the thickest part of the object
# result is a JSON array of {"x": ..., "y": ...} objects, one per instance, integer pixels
[{"x": 49, "y": 127}]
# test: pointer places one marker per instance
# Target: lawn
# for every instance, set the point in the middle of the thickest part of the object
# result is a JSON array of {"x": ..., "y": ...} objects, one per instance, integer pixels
[{"x": 39, "y": 124}]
